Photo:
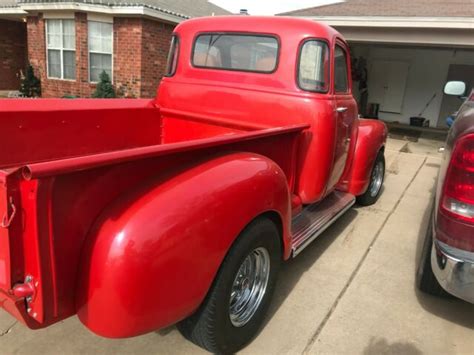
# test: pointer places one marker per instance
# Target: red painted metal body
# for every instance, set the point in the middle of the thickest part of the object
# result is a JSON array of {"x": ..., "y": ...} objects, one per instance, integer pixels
[
  {"x": 177, "y": 251},
  {"x": 122, "y": 210}
]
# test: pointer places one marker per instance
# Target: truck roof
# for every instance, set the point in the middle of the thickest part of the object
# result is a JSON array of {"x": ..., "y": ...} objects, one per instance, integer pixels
[{"x": 277, "y": 25}]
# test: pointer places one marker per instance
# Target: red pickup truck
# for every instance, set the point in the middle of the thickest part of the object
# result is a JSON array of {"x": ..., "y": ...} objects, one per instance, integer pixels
[{"x": 139, "y": 214}]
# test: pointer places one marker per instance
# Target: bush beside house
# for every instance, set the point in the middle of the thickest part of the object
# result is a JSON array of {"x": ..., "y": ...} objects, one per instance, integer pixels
[
  {"x": 30, "y": 85},
  {"x": 104, "y": 88}
]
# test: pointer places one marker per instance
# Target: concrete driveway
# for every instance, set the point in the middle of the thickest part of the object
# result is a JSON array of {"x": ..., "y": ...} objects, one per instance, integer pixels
[{"x": 352, "y": 291}]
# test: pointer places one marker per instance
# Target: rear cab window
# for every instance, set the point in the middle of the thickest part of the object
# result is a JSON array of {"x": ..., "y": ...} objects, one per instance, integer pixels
[
  {"x": 313, "y": 66},
  {"x": 240, "y": 52}
]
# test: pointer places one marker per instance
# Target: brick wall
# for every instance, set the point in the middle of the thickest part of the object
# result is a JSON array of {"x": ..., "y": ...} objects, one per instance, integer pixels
[
  {"x": 12, "y": 53},
  {"x": 127, "y": 56},
  {"x": 140, "y": 53},
  {"x": 139, "y": 58},
  {"x": 156, "y": 42},
  {"x": 36, "y": 45}
]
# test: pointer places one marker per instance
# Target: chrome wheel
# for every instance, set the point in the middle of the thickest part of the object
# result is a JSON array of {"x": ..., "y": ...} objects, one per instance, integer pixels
[
  {"x": 377, "y": 178},
  {"x": 249, "y": 287}
]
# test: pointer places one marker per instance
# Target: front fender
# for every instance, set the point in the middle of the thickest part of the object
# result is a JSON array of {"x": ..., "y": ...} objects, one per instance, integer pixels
[
  {"x": 371, "y": 138},
  {"x": 152, "y": 255}
]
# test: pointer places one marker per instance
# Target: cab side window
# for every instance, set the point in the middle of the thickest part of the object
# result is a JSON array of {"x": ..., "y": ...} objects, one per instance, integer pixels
[
  {"x": 341, "y": 80},
  {"x": 313, "y": 69}
]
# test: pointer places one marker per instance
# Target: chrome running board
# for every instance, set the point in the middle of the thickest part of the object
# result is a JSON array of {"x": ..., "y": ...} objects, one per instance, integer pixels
[{"x": 316, "y": 218}]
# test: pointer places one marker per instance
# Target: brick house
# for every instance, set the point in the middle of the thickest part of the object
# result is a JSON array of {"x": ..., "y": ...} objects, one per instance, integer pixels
[
  {"x": 410, "y": 47},
  {"x": 69, "y": 43}
]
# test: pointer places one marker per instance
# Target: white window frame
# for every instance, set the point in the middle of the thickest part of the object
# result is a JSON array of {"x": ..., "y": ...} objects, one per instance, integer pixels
[
  {"x": 95, "y": 52},
  {"x": 61, "y": 49}
]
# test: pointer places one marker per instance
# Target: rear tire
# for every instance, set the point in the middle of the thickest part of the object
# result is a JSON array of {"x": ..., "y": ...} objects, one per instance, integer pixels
[
  {"x": 377, "y": 177},
  {"x": 425, "y": 278},
  {"x": 222, "y": 324}
]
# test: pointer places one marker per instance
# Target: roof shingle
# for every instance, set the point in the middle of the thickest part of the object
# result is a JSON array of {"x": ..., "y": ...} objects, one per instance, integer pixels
[{"x": 406, "y": 8}]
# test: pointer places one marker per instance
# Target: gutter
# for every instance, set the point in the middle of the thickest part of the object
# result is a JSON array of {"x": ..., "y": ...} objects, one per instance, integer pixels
[
  {"x": 12, "y": 10},
  {"x": 121, "y": 10},
  {"x": 395, "y": 21}
]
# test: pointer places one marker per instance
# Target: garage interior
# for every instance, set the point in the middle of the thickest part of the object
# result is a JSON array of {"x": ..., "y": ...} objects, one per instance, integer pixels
[{"x": 407, "y": 81}]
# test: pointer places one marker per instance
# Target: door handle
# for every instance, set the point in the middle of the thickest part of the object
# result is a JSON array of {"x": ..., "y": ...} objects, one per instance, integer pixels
[{"x": 341, "y": 109}]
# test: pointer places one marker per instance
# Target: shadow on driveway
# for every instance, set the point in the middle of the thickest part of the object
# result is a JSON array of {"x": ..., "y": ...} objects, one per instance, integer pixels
[
  {"x": 379, "y": 346},
  {"x": 293, "y": 269}
]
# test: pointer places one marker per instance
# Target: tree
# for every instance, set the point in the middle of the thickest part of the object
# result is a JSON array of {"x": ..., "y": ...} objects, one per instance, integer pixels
[
  {"x": 30, "y": 84},
  {"x": 104, "y": 88}
]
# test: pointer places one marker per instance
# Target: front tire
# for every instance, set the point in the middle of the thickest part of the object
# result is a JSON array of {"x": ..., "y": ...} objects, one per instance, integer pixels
[
  {"x": 377, "y": 177},
  {"x": 236, "y": 305}
]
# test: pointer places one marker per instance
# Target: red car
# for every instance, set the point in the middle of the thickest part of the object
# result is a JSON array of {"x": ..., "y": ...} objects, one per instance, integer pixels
[
  {"x": 139, "y": 214},
  {"x": 447, "y": 260}
]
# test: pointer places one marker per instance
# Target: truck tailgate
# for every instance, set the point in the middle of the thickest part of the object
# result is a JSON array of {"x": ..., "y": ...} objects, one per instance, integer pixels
[
  {"x": 5, "y": 213},
  {"x": 16, "y": 295}
]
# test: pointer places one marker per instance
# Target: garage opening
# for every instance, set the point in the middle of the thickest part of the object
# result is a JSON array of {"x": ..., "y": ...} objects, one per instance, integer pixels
[{"x": 397, "y": 82}]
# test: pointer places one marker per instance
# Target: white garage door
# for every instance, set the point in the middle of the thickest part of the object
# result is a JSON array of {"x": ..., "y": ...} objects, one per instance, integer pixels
[{"x": 387, "y": 82}]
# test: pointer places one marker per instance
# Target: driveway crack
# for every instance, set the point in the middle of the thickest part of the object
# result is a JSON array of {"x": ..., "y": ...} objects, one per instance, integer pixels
[
  {"x": 8, "y": 330},
  {"x": 321, "y": 326}
]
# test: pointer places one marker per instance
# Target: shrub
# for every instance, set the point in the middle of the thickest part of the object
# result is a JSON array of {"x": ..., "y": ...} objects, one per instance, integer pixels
[
  {"x": 30, "y": 84},
  {"x": 104, "y": 87}
]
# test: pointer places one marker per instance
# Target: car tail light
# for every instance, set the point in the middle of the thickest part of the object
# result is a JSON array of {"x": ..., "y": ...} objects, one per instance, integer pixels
[
  {"x": 458, "y": 197},
  {"x": 456, "y": 218}
]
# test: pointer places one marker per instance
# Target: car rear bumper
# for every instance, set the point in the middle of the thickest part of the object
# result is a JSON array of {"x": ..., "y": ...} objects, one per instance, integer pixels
[{"x": 454, "y": 270}]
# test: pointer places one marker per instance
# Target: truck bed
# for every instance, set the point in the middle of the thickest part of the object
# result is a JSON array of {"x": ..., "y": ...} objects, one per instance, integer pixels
[
  {"x": 62, "y": 162},
  {"x": 38, "y": 131}
]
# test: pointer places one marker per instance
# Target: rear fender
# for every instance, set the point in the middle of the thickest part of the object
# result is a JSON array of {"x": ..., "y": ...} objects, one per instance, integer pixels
[
  {"x": 371, "y": 138},
  {"x": 152, "y": 256}
]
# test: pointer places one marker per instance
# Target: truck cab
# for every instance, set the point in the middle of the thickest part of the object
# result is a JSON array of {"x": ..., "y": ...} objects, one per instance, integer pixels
[{"x": 273, "y": 71}]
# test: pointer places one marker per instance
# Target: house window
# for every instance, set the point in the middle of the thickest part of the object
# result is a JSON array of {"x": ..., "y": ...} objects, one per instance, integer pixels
[
  {"x": 61, "y": 47},
  {"x": 100, "y": 50}
]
